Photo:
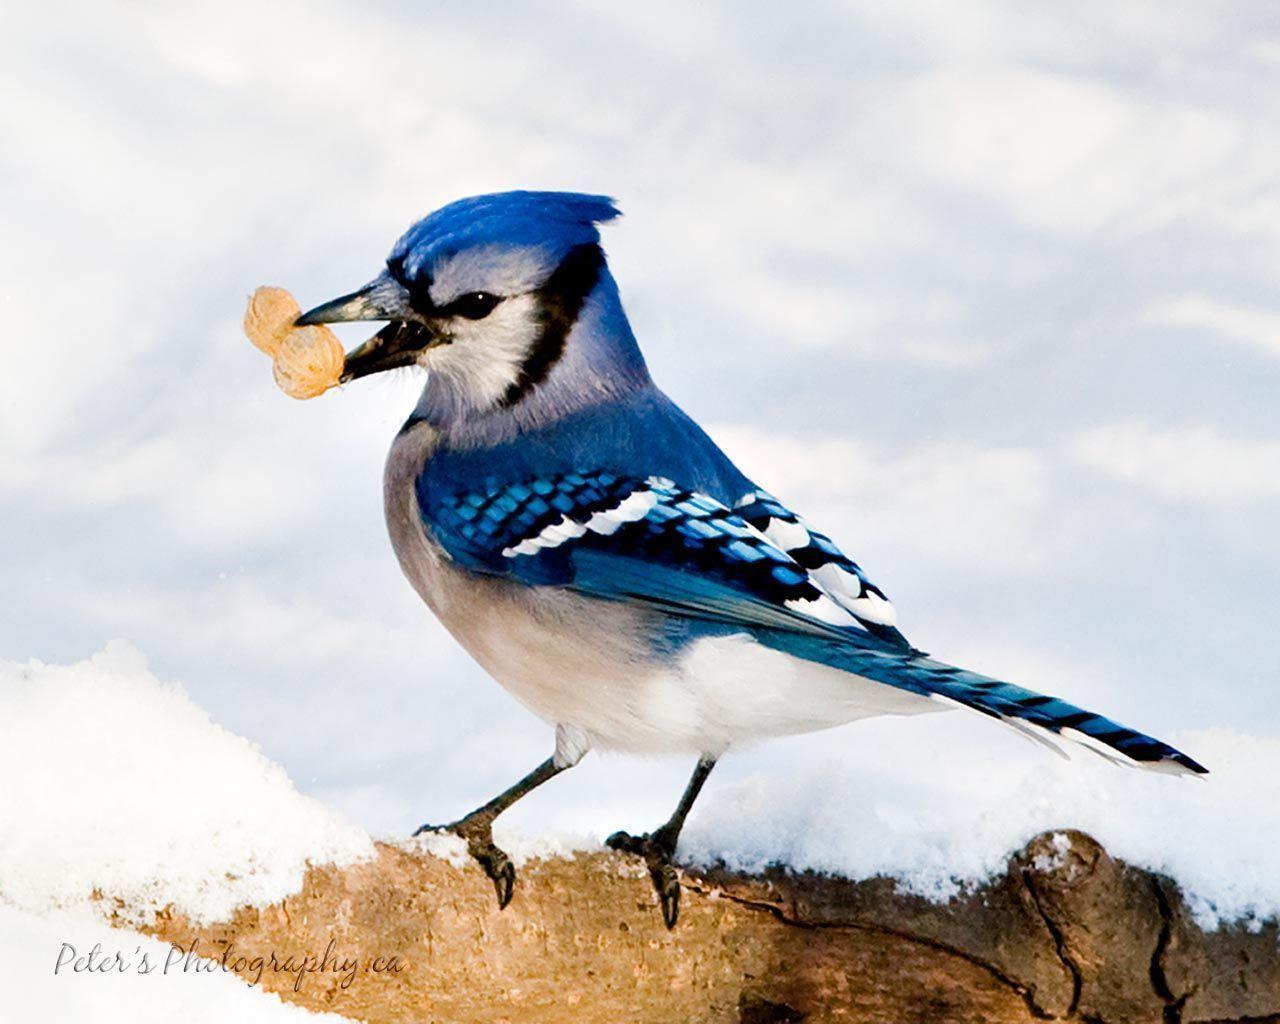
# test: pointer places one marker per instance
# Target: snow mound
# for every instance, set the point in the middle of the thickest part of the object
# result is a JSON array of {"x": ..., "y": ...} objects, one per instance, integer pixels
[
  {"x": 946, "y": 823},
  {"x": 121, "y": 787}
]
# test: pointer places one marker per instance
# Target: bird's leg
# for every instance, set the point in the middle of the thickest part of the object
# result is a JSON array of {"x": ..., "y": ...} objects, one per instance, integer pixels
[
  {"x": 477, "y": 828},
  {"x": 658, "y": 847}
]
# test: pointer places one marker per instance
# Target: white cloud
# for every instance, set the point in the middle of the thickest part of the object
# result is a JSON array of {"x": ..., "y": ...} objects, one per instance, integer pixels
[
  {"x": 842, "y": 317},
  {"x": 1073, "y": 155},
  {"x": 1193, "y": 464},
  {"x": 952, "y": 501},
  {"x": 1254, "y": 328},
  {"x": 235, "y": 616},
  {"x": 227, "y": 496}
]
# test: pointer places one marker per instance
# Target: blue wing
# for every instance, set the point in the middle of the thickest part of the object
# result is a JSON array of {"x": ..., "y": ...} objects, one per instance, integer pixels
[{"x": 652, "y": 542}]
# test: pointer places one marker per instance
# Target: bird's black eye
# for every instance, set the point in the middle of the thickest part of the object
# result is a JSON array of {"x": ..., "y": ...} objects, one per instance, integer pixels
[{"x": 473, "y": 305}]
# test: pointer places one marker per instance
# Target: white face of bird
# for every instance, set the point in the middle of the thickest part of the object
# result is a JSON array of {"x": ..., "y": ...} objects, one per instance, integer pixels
[
  {"x": 492, "y": 321},
  {"x": 489, "y": 320},
  {"x": 482, "y": 361}
]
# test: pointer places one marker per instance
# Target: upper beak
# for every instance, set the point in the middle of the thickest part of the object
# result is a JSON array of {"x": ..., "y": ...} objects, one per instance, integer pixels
[
  {"x": 383, "y": 298},
  {"x": 397, "y": 344}
]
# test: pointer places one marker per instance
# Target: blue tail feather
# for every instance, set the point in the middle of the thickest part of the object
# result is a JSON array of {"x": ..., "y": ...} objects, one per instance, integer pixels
[{"x": 918, "y": 673}]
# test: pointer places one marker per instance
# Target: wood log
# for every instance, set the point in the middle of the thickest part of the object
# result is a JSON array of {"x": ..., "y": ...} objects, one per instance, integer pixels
[{"x": 1066, "y": 933}]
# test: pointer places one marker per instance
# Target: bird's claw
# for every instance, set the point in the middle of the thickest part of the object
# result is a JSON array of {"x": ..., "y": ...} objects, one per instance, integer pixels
[
  {"x": 658, "y": 852},
  {"x": 497, "y": 865},
  {"x": 485, "y": 852}
]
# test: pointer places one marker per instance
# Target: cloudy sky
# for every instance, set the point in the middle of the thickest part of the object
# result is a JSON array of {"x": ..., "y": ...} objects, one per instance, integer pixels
[{"x": 987, "y": 292}]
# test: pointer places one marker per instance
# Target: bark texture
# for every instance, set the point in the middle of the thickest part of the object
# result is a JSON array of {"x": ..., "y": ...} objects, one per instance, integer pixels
[{"x": 1067, "y": 933}]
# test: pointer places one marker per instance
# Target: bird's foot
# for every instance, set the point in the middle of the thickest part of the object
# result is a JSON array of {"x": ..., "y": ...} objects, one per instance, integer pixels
[
  {"x": 478, "y": 833},
  {"x": 658, "y": 850}
]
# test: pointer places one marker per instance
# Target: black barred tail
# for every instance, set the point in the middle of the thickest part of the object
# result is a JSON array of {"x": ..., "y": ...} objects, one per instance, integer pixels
[{"x": 1026, "y": 710}]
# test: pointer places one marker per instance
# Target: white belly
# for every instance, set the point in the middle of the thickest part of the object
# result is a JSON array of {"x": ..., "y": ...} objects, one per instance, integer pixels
[{"x": 720, "y": 692}]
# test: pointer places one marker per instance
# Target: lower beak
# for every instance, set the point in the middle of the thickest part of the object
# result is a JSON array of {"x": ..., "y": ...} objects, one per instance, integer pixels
[{"x": 397, "y": 344}]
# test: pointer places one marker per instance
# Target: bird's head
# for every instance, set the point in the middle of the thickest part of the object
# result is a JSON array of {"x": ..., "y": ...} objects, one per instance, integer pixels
[{"x": 483, "y": 293}]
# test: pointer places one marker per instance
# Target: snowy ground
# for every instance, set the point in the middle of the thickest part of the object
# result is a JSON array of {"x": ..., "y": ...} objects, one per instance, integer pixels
[
  {"x": 948, "y": 820},
  {"x": 33, "y": 944},
  {"x": 135, "y": 793},
  {"x": 126, "y": 788}
]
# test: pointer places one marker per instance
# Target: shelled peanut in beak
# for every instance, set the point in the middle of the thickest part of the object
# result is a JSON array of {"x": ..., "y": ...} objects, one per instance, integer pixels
[{"x": 307, "y": 361}]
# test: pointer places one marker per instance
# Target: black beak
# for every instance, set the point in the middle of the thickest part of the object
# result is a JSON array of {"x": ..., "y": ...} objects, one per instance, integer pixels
[{"x": 397, "y": 344}]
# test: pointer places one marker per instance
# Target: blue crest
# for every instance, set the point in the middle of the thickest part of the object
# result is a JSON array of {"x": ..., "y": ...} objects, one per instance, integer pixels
[{"x": 553, "y": 221}]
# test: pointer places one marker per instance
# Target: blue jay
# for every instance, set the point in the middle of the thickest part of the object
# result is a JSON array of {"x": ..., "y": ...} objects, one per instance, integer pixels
[{"x": 593, "y": 549}]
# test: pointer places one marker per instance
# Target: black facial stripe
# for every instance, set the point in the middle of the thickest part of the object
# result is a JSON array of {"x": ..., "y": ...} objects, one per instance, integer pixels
[{"x": 560, "y": 302}]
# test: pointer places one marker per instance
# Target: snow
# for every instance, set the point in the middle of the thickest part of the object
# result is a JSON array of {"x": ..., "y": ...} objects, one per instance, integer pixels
[
  {"x": 134, "y": 793},
  {"x": 519, "y": 846},
  {"x": 31, "y": 947},
  {"x": 36, "y": 946},
  {"x": 947, "y": 822},
  {"x": 127, "y": 789}
]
